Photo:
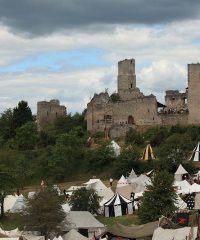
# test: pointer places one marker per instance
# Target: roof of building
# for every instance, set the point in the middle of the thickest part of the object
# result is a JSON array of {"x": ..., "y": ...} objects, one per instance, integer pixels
[
  {"x": 81, "y": 219},
  {"x": 140, "y": 231}
]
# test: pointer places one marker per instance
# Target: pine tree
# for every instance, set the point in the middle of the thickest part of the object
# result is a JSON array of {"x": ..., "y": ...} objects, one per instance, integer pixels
[
  {"x": 159, "y": 199},
  {"x": 44, "y": 212},
  {"x": 22, "y": 114}
]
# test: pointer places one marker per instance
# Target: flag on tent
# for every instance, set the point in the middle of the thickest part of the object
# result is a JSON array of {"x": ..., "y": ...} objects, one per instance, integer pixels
[
  {"x": 148, "y": 153},
  {"x": 196, "y": 154}
]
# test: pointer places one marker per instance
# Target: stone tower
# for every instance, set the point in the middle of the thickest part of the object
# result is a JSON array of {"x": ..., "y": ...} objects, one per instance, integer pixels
[
  {"x": 194, "y": 93},
  {"x": 126, "y": 75},
  {"x": 47, "y": 112}
]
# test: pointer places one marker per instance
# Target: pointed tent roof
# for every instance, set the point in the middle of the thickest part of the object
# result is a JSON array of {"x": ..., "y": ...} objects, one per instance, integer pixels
[
  {"x": 122, "y": 182},
  {"x": 73, "y": 235},
  {"x": 181, "y": 170},
  {"x": 19, "y": 205},
  {"x": 132, "y": 174},
  {"x": 196, "y": 154},
  {"x": 148, "y": 153},
  {"x": 117, "y": 199}
]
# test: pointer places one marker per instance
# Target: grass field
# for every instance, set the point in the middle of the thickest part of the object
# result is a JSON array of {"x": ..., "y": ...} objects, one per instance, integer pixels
[{"x": 125, "y": 220}]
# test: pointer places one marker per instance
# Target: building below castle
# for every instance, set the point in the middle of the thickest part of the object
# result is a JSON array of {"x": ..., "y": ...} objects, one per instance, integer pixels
[
  {"x": 130, "y": 108},
  {"x": 48, "y": 112}
]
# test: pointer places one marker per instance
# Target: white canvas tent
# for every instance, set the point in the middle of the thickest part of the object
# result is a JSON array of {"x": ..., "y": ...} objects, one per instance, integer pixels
[
  {"x": 19, "y": 205},
  {"x": 139, "y": 184},
  {"x": 196, "y": 154},
  {"x": 180, "y": 204},
  {"x": 66, "y": 207},
  {"x": 73, "y": 235},
  {"x": 197, "y": 201},
  {"x": 118, "y": 206},
  {"x": 83, "y": 220},
  {"x": 9, "y": 201},
  {"x": 132, "y": 176},
  {"x": 125, "y": 190},
  {"x": 182, "y": 184},
  {"x": 116, "y": 148},
  {"x": 122, "y": 182},
  {"x": 179, "y": 173},
  {"x": 175, "y": 234},
  {"x": 95, "y": 184},
  {"x": 194, "y": 188}
]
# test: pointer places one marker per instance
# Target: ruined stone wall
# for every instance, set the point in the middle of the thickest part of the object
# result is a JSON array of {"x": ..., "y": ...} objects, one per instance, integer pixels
[
  {"x": 175, "y": 101},
  {"x": 47, "y": 112},
  {"x": 143, "y": 110},
  {"x": 102, "y": 112},
  {"x": 96, "y": 110},
  {"x": 174, "y": 118},
  {"x": 194, "y": 93}
]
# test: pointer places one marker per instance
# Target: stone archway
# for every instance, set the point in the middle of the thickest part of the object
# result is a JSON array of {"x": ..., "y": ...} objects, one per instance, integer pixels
[{"x": 130, "y": 120}]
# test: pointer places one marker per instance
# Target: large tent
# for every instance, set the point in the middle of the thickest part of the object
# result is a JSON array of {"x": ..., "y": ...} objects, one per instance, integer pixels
[
  {"x": 118, "y": 206},
  {"x": 196, "y": 153},
  {"x": 194, "y": 188},
  {"x": 148, "y": 153},
  {"x": 100, "y": 188},
  {"x": 176, "y": 234},
  {"x": 134, "y": 231},
  {"x": 84, "y": 222}
]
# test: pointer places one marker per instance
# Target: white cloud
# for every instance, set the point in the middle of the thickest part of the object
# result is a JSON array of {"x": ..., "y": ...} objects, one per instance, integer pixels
[{"x": 162, "y": 54}]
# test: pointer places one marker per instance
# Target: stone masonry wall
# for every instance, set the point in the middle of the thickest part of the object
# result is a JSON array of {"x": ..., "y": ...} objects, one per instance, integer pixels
[
  {"x": 194, "y": 93},
  {"x": 47, "y": 112}
]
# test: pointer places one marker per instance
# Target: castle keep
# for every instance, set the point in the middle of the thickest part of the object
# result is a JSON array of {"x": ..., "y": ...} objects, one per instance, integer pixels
[
  {"x": 130, "y": 108},
  {"x": 47, "y": 112}
]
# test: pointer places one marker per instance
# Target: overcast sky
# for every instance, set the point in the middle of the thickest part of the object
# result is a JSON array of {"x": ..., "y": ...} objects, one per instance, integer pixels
[{"x": 69, "y": 49}]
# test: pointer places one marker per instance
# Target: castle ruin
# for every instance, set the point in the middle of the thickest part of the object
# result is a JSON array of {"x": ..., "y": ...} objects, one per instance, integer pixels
[
  {"x": 48, "y": 112},
  {"x": 130, "y": 108}
]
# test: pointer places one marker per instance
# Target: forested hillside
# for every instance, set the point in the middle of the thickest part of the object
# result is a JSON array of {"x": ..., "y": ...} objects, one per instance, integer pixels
[{"x": 61, "y": 152}]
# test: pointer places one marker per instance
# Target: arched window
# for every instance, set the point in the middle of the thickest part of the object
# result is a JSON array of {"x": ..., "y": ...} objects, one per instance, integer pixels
[{"x": 130, "y": 119}]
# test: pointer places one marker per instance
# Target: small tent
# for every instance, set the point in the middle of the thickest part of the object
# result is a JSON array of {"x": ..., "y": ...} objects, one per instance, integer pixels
[
  {"x": 132, "y": 175},
  {"x": 116, "y": 148},
  {"x": 73, "y": 235},
  {"x": 19, "y": 205},
  {"x": 118, "y": 206},
  {"x": 9, "y": 201},
  {"x": 122, "y": 182},
  {"x": 196, "y": 153},
  {"x": 148, "y": 153},
  {"x": 179, "y": 173}
]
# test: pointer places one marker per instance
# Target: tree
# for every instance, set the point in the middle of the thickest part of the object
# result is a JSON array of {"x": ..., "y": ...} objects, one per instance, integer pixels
[
  {"x": 85, "y": 200},
  {"x": 22, "y": 114},
  {"x": 128, "y": 159},
  {"x": 6, "y": 125},
  {"x": 44, "y": 212},
  {"x": 159, "y": 199},
  {"x": 134, "y": 137},
  {"x": 100, "y": 158},
  {"x": 7, "y": 183},
  {"x": 26, "y": 136}
]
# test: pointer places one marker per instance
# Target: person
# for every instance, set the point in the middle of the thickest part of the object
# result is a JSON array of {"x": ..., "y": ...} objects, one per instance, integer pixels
[
  {"x": 111, "y": 182},
  {"x": 64, "y": 192},
  {"x": 42, "y": 183}
]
